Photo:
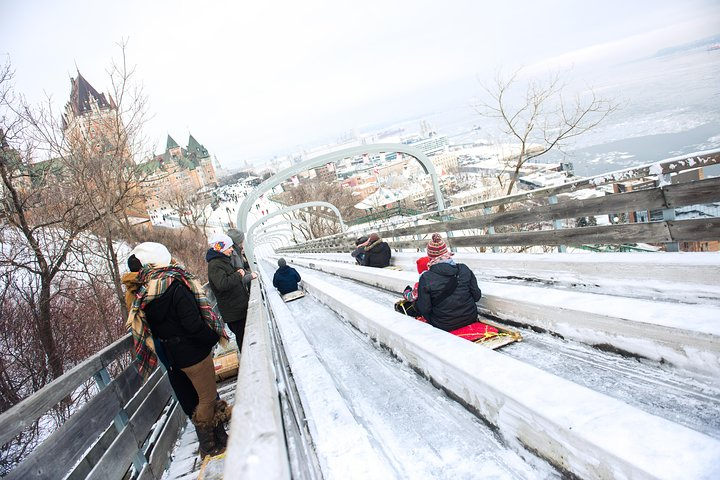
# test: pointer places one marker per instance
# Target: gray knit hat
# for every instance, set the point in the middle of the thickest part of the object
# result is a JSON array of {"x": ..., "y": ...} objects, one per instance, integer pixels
[
  {"x": 237, "y": 236},
  {"x": 282, "y": 262}
]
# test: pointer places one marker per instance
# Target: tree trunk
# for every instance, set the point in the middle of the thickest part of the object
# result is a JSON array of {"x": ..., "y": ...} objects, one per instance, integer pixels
[
  {"x": 45, "y": 330},
  {"x": 115, "y": 274}
]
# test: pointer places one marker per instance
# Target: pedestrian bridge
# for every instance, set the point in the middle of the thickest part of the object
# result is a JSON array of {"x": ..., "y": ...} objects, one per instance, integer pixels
[{"x": 618, "y": 375}]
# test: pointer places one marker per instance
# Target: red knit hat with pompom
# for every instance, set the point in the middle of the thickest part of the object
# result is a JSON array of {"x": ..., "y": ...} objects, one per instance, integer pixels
[{"x": 436, "y": 247}]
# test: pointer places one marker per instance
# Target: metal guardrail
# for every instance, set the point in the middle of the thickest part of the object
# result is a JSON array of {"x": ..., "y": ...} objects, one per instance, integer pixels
[{"x": 540, "y": 218}]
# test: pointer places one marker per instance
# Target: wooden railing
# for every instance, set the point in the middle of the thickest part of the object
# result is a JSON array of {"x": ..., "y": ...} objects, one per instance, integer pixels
[
  {"x": 125, "y": 425},
  {"x": 546, "y": 217}
]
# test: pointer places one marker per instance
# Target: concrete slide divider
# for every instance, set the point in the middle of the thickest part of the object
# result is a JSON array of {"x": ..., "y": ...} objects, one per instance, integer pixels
[{"x": 655, "y": 330}]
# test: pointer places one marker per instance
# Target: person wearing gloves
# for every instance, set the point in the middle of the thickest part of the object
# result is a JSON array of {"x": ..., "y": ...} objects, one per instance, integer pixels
[
  {"x": 227, "y": 283},
  {"x": 286, "y": 278},
  {"x": 170, "y": 308}
]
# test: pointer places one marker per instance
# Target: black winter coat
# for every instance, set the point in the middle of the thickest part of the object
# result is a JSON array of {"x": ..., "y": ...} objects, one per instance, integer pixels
[
  {"x": 227, "y": 285},
  {"x": 377, "y": 255},
  {"x": 286, "y": 279},
  {"x": 175, "y": 321},
  {"x": 459, "y": 308}
]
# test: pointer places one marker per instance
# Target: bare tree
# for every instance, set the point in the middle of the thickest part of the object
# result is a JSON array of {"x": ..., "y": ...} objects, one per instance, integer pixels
[
  {"x": 57, "y": 183},
  {"x": 539, "y": 116},
  {"x": 191, "y": 207},
  {"x": 321, "y": 222}
]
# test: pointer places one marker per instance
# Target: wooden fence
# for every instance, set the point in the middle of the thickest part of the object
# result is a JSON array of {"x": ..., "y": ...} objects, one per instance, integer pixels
[
  {"x": 546, "y": 217},
  {"x": 127, "y": 424}
]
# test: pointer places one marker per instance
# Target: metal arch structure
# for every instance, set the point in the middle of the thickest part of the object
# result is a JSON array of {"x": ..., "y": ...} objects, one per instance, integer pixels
[
  {"x": 287, "y": 232},
  {"x": 271, "y": 238},
  {"x": 284, "y": 223},
  {"x": 280, "y": 177},
  {"x": 287, "y": 225},
  {"x": 250, "y": 244}
]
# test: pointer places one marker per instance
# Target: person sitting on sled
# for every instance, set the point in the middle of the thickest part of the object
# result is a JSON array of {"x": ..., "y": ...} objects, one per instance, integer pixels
[
  {"x": 286, "y": 278},
  {"x": 447, "y": 293},
  {"x": 377, "y": 252}
]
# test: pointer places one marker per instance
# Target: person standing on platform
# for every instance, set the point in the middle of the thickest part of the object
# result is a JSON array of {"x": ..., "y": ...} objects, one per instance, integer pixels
[
  {"x": 170, "y": 308},
  {"x": 238, "y": 258},
  {"x": 228, "y": 285}
]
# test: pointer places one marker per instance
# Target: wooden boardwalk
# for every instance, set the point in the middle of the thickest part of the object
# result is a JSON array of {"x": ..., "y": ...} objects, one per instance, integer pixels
[{"x": 185, "y": 463}]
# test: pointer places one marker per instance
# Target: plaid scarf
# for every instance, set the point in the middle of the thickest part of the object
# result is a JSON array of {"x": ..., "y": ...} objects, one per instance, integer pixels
[{"x": 155, "y": 282}]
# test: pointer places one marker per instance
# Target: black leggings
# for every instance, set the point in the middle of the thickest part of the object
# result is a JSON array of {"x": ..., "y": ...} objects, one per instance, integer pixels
[{"x": 238, "y": 328}]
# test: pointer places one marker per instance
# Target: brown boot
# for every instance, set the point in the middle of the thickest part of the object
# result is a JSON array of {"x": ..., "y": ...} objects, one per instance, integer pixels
[
  {"x": 221, "y": 437},
  {"x": 206, "y": 438},
  {"x": 223, "y": 411}
]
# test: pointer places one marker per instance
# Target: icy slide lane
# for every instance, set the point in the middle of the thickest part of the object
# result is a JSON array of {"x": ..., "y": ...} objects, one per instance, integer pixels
[
  {"x": 415, "y": 429},
  {"x": 616, "y": 441},
  {"x": 657, "y": 389}
]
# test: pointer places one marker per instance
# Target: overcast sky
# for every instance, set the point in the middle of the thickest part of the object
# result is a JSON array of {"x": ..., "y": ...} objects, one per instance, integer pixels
[{"x": 252, "y": 80}]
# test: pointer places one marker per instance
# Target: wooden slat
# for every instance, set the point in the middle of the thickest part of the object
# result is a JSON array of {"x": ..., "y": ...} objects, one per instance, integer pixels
[
  {"x": 94, "y": 455},
  {"x": 602, "y": 235},
  {"x": 157, "y": 376},
  {"x": 692, "y": 193},
  {"x": 163, "y": 447},
  {"x": 668, "y": 166},
  {"x": 22, "y": 415},
  {"x": 671, "y": 196},
  {"x": 120, "y": 455},
  {"x": 62, "y": 449},
  {"x": 703, "y": 229}
]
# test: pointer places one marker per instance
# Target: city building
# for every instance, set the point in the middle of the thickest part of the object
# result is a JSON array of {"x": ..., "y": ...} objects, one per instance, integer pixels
[{"x": 186, "y": 170}]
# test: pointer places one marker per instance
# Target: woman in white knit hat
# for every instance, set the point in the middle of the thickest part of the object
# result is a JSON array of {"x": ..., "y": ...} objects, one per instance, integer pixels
[{"x": 170, "y": 307}]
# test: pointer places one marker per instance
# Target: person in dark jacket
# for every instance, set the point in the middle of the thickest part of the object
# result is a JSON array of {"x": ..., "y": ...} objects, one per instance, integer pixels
[
  {"x": 182, "y": 386},
  {"x": 448, "y": 291},
  {"x": 359, "y": 253},
  {"x": 171, "y": 310},
  {"x": 377, "y": 252},
  {"x": 286, "y": 278},
  {"x": 238, "y": 258},
  {"x": 228, "y": 285}
]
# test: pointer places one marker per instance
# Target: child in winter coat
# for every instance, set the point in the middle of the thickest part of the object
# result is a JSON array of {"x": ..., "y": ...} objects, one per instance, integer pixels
[
  {"x": 286, "y": 278},
  {"x": 448, "y": 291}
]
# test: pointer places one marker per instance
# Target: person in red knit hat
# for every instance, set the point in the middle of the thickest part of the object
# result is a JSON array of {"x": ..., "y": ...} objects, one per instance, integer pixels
[{"x": 447, "y": 293}]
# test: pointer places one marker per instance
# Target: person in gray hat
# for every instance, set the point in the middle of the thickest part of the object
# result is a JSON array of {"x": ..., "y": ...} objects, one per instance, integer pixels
[
  {"x": 238, "y": 258},
  {"x": 286, "y": 278}
]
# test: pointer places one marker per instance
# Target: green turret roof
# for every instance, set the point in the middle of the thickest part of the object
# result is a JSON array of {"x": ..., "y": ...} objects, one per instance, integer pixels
[
  {"x": 171, "y": 143},
  {"x": 194, "y": 147}
]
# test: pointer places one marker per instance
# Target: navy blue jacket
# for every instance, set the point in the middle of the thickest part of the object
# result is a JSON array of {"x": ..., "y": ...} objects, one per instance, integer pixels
[{"x": 286, "y": 279}]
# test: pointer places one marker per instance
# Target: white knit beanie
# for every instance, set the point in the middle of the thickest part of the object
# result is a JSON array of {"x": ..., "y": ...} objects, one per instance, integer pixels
[
  {"x": 152, "y": 253},
  {"x": 220, "y": 242}
]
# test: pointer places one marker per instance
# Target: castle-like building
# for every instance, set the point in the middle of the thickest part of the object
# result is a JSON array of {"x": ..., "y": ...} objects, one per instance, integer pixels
[
  {"x": 186, "y": 170},
  {"x": 91, "y": 121}
]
